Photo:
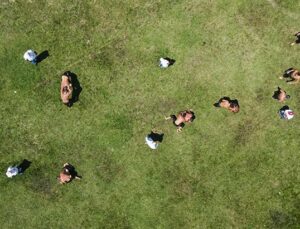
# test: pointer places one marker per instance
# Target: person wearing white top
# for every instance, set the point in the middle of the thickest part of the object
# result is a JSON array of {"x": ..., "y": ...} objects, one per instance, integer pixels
[
  {"x": 30, "y": 56},
  {"x": 152, "y": 144},
  {"x": 286, "y": 113},
  {"x": 12, "y": 171},
  {"x": 153, "y": 139},
  {"x": 166, "y": 62}
]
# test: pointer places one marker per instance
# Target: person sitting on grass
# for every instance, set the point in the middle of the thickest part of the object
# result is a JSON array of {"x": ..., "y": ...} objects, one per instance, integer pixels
[
  {"x": 280, "y": 95},
  {"x": 153, "y": 139},
  {"x": 30, "y": 56},
  {"x": 229, "y": 104},
  {"x": 286, "y": 113},
  {"x": 12, "y": 171},
  {"x": 166, "y": 62},
  {"x": 18, "y": 169},
  {"x": 182, "y": 118},
  {"x": 297, "y": 41},
  {"x": 292, "y": 75},
  {"x": 66, "y": 89},
  {"x": 67, "y": 174}
]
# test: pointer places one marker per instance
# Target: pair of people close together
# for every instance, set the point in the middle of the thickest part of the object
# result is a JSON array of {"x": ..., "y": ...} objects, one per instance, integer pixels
[
  {"x": 66, "y": 175},
  {"x": 66, "y": 90}
]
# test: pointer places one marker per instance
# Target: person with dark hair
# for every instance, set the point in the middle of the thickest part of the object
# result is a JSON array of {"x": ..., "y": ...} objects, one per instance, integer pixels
[
  {"x": 182, "y": 118},
  {"x": 67, "y": 174},
  {"x": 286, "y": 113},
  {"x": 292, "y": 74},
  {"x": 229, "y": 104},
  {"x": 280, "y": 95},
  {"x": 66, "y": 89},
  {"x": 297, "y": 41}
]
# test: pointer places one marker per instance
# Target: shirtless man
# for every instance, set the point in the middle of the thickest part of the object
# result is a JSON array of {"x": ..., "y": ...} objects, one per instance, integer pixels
[
  {"x": 182, "y": 118},
  {"x": 67, "y": 174},
  {"x": 66, "y": 89},
  {"x": 293, "y": 75},
  {"x": 280, "y": 95},
  {"x": 227, "y": 103}
]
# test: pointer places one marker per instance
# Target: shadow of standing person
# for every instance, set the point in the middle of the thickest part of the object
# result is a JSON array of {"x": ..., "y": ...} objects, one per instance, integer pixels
[
  {"x": 42, "y": 56},
  {"x": 25, "y": 164}
]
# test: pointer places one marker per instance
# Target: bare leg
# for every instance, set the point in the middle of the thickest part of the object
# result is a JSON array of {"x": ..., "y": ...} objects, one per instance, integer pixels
[{"x": 292, "y": 81}]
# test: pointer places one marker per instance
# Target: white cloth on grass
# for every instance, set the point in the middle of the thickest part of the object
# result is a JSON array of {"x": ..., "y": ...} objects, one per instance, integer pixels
[
  {"x": 163, "y": 63},
  {"x": 152, "y": 144},
  {"x": 29, "y": 55},
  {"x": 12, "y": 171}
]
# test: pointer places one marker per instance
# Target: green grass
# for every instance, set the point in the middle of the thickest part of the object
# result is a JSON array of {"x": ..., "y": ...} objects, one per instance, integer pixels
[{"x": 223, "y": 171}]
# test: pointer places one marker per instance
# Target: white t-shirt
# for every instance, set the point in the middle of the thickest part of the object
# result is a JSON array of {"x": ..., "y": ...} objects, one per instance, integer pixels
[
  {"x": 288, "y": 114},
  {"x": 163, "y": 63},
  {"x": 152, "y": 144},
  {"x": 29, "y": 55},
  {"x": 12, "y": 171}
]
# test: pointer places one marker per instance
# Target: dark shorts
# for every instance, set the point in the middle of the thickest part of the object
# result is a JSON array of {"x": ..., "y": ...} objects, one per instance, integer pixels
[{"x": 173, "y": 117}]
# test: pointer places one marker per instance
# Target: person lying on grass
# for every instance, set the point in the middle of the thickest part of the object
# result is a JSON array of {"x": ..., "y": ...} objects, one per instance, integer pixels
[
  {"x": 67, "y": 174},
  {"x": 280, "y": 95},
  {"x": 229, "y": 104},
  {"x": 66, "y": 89},
  {"x": 292, "y": 75},
  {"x": 182, "y": 118},
  {"x": 297, "y": 41}
]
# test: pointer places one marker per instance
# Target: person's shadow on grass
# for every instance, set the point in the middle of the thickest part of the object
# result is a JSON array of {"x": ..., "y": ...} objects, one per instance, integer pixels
[
  {"x": 25, "y": 164},
  {"x": 42, "y": 56},
  {"x": 76, "y": 87},
  {"x": 156, "y": 137}
]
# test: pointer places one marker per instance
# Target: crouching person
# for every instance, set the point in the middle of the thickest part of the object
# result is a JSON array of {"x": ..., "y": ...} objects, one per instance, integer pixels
[
  {"x": 153, "y": 139},
  {"x": 67, "y": 174},
  {"x": 280, "y": 95},
  {"x": 286, "y": 113},
  {"x": 292, "y": 75},
  {"x": 229, "y": 104}
]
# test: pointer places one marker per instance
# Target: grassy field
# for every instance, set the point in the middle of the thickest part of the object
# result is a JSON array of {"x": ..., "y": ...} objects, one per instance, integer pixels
[{"x": 223, "y": 171}]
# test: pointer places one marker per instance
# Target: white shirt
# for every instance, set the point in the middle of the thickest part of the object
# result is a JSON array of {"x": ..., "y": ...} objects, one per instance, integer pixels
[
  {"x": 288, "y": 114},
  {"x": 163, "y": 63},
  {"x": 29, "y": 55},
  {"x": 12, "y": 171},
  {"x": 152, "y": 144}
]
